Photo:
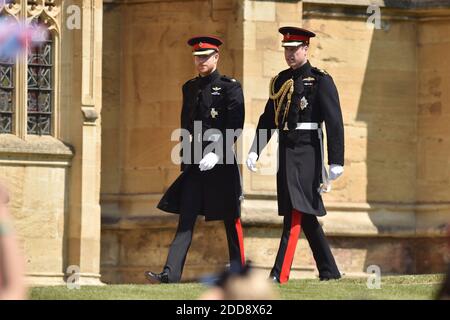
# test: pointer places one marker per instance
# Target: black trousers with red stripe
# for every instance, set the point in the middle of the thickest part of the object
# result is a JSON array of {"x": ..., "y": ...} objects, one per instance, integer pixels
[
  {"x": 292, "y": 227},
  {"x": 191, "y": 204},
  {"x": 183, "y": 238}
]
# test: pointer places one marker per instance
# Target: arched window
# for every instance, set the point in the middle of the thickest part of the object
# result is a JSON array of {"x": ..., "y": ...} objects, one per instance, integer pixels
[
  {"x": 29, "y": 81},
  {"x": 40, "y": 84}
]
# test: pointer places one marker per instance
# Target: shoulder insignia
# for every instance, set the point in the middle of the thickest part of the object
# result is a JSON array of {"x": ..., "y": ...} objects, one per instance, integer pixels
[
  {"x": 228, "y": 79},
  {"x": 320, "y": 71}
]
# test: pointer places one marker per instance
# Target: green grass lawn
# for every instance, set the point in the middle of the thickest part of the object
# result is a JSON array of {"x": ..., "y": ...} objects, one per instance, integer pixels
[{"x": 392, "y": 287}]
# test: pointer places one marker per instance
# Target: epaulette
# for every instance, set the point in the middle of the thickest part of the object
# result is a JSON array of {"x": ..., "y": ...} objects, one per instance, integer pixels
[
  {"x": 228, "y": 79},
  {"x": 319, "y": 71}
]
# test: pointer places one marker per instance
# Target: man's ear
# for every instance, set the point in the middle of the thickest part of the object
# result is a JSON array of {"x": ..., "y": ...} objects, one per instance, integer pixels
[{"x": 306, "y": 50}]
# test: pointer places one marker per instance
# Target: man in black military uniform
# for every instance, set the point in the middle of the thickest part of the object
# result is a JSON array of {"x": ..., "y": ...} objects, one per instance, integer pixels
[
  {"x": 301, "y": 99},
  {"x": 210, "y": 184}
]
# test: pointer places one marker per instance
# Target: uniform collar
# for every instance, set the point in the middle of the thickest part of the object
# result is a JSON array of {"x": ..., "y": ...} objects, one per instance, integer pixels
[
  {"x": 302, "y": 70},
  {"x": 210, "y": 77}
]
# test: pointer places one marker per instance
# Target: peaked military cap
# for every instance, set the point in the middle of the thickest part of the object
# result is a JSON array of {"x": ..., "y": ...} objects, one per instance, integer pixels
[
  {"x": 204, "y": 45},
  {"x": 293, "y": 36}
]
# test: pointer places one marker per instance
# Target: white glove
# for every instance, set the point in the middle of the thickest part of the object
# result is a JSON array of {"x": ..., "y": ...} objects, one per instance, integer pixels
[
  {"x": 325, "y": 188},
  {"x": 251, "y": 161},
  {"x": 209, "y": 161},
  {"x": 335, "y": 171}
]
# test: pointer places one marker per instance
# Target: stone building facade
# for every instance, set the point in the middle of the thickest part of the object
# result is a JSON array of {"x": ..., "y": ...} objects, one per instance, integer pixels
[
  {"x": 52, "y": 165},
  {"x": 85, "y": 193}
]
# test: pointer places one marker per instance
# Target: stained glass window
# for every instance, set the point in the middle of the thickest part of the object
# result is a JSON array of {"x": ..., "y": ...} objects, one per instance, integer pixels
[
  {"x": 40, "y": 85},
  {"x": 6, "y": 91}
]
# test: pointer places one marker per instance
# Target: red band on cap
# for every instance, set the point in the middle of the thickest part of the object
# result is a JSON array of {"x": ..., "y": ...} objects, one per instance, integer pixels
[
  {"x": 294, "y": 37},
  {"x": 205, "y": 45}
]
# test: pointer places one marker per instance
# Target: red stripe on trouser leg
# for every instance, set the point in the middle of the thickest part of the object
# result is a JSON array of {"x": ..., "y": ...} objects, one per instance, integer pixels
[
  {"x": 240, "y": 239},
  {"x": 295, "y": 230}
]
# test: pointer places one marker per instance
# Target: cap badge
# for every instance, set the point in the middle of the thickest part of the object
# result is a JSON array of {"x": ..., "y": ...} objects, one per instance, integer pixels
[{"x": 216, "y": 91}]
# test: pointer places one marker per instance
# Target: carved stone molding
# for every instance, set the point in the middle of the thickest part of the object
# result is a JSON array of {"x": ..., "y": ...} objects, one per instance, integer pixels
[
  {"x": 90, "y": 115},
  {"x": 11, "y": 7}
]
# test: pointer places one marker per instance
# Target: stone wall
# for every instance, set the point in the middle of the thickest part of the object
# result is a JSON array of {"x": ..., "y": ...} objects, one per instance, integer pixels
[
  {"x": 55, "y": 179},
  {"x": 433, "y": 156},
  {"x": 36, "y": 173},
  {"x": 433, "y": 142}
]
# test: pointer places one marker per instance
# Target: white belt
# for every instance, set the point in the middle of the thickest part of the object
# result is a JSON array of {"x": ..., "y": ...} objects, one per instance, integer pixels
[
  {"x": 326, "y": 184},
  {"x": 307, "y": 126}
]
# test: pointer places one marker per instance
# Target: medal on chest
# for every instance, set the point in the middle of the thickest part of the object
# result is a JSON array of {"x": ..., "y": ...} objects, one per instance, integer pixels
[
  {"x": 214, "y": 113},
  {"x": 303, "y": 103}
]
